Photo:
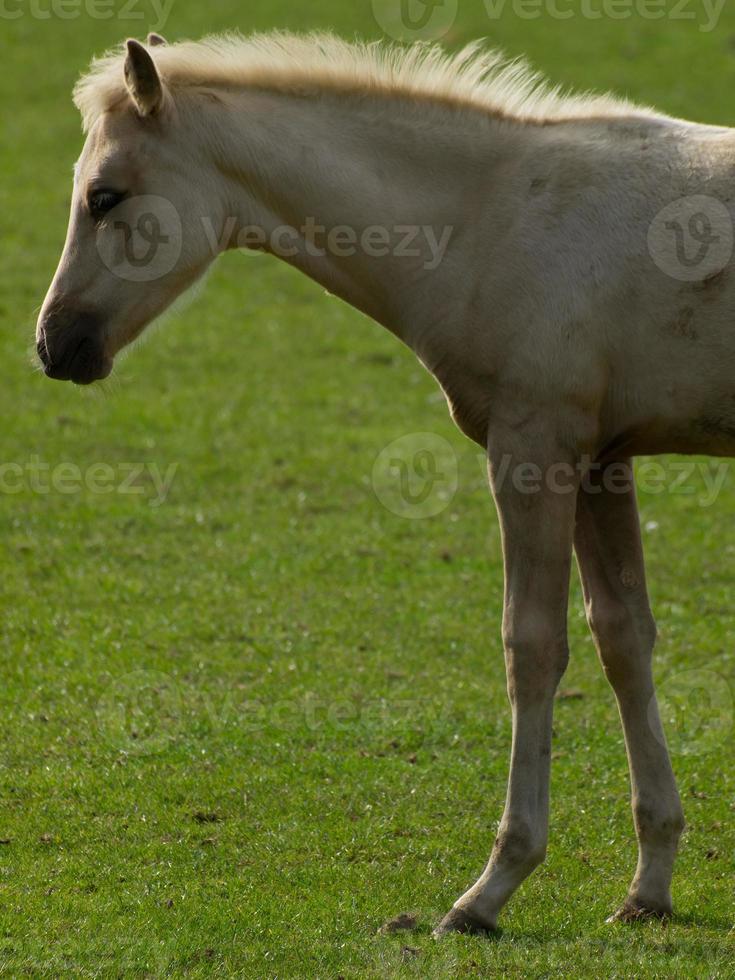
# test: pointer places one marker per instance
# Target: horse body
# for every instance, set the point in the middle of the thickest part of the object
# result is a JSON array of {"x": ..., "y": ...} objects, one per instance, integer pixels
[
  {"x": 531, "y": 292},
  {"x": 569, "y": 305}
]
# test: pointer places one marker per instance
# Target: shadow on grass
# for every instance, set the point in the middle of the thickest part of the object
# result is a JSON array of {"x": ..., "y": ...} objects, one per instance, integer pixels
[
  {"x": 425, "y": 929},
  {"x": 704, "y": 921}
]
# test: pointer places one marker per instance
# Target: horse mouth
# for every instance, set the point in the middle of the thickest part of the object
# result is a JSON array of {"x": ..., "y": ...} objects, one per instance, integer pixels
[{"x": 85, "y": 364}]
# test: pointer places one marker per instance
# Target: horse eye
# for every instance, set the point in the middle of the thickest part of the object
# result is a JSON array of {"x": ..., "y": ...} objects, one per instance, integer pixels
[{"x": 103, "y": 201}]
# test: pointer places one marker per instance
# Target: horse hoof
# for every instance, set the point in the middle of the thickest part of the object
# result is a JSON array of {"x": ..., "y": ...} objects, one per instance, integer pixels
[
  {"x": 634, "y": 911},
  {"x": 461, "y": 920}
]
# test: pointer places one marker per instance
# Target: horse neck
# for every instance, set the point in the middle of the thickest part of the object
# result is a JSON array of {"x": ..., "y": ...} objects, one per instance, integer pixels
[{"x": 416, "y": 173}]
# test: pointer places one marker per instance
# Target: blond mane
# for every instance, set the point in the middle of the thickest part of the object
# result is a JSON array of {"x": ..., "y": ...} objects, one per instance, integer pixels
[{"x": 474, "y": 76}]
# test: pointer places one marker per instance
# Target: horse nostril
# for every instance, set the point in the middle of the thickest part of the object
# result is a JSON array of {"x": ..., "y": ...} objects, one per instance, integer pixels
[{"x": 42, "y": 350}]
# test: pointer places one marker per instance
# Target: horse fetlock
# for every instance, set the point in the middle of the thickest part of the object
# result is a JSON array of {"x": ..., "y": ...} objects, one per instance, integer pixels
[
  {"x": 520, "y": 848},
  {"x": 658, "y": 826}
]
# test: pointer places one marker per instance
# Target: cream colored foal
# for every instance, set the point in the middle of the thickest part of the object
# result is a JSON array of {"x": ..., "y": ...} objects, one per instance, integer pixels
[{"x": 560, "y": 265}]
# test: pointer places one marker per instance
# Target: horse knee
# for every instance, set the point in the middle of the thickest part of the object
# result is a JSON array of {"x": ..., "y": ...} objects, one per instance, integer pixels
[
  {"x": 624, "y": 636},
  {"x": 536, "y": 654}
]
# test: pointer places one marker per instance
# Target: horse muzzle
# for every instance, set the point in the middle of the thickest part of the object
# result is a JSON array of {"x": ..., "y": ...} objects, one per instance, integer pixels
[{"x": 72, "y": 349}]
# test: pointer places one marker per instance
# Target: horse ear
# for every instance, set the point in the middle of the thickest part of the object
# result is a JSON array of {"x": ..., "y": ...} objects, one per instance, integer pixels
[
  {"x": 155, "y": 40},
  {"x": 142, "y": 79}
]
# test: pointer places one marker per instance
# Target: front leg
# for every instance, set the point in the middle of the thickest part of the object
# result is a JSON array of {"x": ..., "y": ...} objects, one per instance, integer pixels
[{"x": 537, "y": 524}]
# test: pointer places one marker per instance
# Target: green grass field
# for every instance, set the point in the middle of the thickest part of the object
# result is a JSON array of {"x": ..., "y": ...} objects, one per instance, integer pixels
[{"x": 244, "y": 727}]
